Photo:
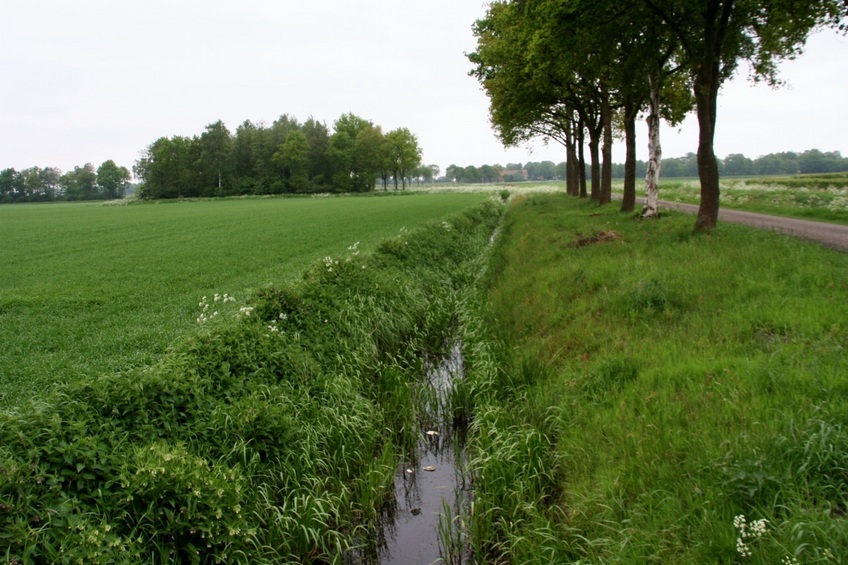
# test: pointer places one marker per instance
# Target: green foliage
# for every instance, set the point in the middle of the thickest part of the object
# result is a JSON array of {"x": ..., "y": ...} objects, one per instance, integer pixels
[
  {"x": 286, "y": 157},
  {"x": 112, "y": 179},
  {"x": 678, "y": 381},
  {"x": 267, "y": 436}
]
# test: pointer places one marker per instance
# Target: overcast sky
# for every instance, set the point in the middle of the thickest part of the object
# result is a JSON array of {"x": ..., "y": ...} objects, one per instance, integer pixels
[{"x": 91, "y": 80}]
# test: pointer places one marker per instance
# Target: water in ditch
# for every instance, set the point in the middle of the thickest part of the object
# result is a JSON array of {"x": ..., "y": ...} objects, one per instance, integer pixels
[{"x": 423, "y": 523}]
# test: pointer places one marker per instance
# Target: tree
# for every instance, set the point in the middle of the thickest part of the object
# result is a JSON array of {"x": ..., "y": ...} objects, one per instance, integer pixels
[
  {"x": 243, "y": 159},
  {"x": 404, "y": 153},
  {"x": 49, "y": 177},
  {"x": 434, "y": 172},
  {"x": 453, "y": 173},
  {"x": 167, "y": 169},
  {"x": 546, "y": 170},
  {"x": 10, "y": 185},
  {"x": 526, "y": 85},
  {"x": 355, "y": 154},
  {"x": 112, "y": 179},
  {"x": 318, "y": 139},
  {"x": 81, "y": 183},
  {"x": 549, "y": 69},
  {"x": 488, "y": 173},
  {"x": 293, "y": 156},
  {"x": 714, "y": 36},
  {"x": 214, "y": 146}
]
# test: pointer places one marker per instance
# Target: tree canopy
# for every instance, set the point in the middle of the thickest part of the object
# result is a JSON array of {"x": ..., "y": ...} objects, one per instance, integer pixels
[
  {"x": 286, "y": 157},
  {"x": 557, "y": 69}
]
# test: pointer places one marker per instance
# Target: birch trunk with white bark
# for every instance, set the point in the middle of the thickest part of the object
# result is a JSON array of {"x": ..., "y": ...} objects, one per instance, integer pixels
[{"x": 652, "y": 177}]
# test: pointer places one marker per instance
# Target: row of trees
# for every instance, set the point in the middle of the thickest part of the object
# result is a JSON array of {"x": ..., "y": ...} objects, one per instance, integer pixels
[
  {"x": 285, "y": 157},
  {"x": 568, "y": 71},
  {"x": 512, "y": 172},
  {"x": 35, "y": 184},
  {"x": 786, "y": 163}
]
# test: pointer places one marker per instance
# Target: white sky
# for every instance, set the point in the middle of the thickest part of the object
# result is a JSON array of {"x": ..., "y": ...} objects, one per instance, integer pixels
[{"x": 91, "y": 80}]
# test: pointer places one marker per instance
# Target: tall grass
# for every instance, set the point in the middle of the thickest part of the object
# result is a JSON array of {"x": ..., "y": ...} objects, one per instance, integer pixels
[
  {"x": 88, "y": 289},
  {"x": 269, "y": 435},
  {"x": 635, "y": 395}
]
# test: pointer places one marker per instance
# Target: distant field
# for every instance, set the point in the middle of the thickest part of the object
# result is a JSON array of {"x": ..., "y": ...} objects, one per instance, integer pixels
[{"x": 88, "y": 288}]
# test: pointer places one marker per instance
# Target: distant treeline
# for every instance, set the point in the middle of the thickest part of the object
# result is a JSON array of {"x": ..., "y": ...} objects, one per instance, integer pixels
[
  {"x": 35, "y": 184},
  {"x": 292, "y": 157},
  {"x": 284, "y": 157},
  {"x": 787, "y": 163}
]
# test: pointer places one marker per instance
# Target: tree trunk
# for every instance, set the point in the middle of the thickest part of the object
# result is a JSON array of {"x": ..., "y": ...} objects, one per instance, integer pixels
[
  {"x": 572, "y": 178},
  {"x": 652, "y": 177},
  {"x": 581, "y": 150},
  {"x": 605, "y": 195},
  {"x": 628, "y": 199},
  {"x": 706, "y": 96},
  {"x": 593, "y": 123},
  {"x": 594, "y": 153}
]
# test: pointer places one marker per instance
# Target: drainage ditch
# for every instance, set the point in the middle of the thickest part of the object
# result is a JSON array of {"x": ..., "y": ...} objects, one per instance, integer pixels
[{"x": 423, "y": 523}]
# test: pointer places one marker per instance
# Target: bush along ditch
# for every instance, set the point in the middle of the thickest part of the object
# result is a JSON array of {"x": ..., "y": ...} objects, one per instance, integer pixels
[{"x": 270, "y": 435}]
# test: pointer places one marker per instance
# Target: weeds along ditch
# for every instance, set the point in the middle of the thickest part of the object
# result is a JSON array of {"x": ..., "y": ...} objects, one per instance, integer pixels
[{"x": 270, "y": 435}]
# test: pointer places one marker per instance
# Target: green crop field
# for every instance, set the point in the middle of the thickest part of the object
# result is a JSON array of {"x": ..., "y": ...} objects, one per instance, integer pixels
[{"x": 88, "y": 289}]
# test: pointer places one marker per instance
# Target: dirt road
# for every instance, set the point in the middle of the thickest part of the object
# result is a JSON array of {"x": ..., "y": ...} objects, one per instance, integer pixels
[{"x": 834, "y": 236}]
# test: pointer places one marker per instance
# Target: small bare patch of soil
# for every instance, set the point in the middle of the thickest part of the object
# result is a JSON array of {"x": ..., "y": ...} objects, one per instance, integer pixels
[{"x": 600, "y": 237}]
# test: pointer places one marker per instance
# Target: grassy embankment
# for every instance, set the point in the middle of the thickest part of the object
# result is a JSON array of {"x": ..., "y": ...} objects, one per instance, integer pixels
[
  {"x": 637, "y": 387},
  {"x": 269, "y": 435},
  {"x": 88, "y": 289}
]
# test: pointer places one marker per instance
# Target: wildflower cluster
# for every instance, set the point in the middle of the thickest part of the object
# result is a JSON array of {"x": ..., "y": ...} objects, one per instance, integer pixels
[
  {"x": 329, "y": 263},
  {"x": 839, "y": 203},
  {"x": 354, "y": 249},
  {"x": 748, "y": 533},
  {"x": 274, "y": 326},
  {"x": 446, "y": 226},
  {"x": 205, "y": 316}
]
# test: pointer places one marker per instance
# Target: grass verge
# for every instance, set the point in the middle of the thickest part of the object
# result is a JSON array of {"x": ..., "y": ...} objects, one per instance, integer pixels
[{"x": 644, "y": 394}]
